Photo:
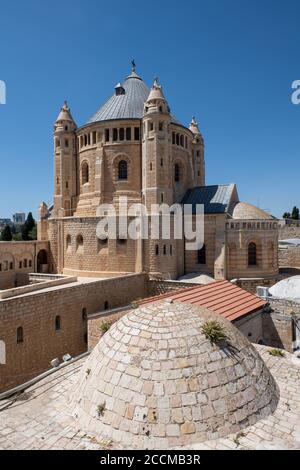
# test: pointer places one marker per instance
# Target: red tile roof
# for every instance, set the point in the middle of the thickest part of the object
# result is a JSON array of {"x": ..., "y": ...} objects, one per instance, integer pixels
[{"x": 221, "y": 297}]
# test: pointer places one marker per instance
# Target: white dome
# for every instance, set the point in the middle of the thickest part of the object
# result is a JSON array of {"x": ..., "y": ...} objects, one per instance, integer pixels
[{"x": 287, "y": 289}]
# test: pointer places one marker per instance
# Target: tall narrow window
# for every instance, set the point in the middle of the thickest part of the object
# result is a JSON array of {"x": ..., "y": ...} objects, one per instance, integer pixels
[
  {"x": 79, "y": 242},
  {"x": 68, "y": 242},
  {"x": 94, "y": 134},
  {"x": 57, "y": 323},
  {"x": 128, "y": 133},
  {"x": 84, "y": 314},
  {"x": 176, "y": 172},
  {"x": 156, "y": 250},
  {"x": 173, "y": 138},
  {"x": 252, "y": 254},
  {"x": 121, "y": 133},
  {"x": 20, "y": 335},
  {"x": 201, "y": 255},
  {"x": 122, "y": 170},
  {"x": 115, "y": 134},
  {"x": 106, "y": 135},
  {"x": 161, "y": 126},
  {"x": 151, "y": 126},
  {"x": 85, "y": 173}
]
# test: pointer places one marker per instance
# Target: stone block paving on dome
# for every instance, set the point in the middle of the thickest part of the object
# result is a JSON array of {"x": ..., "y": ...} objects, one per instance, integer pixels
[{"x": 40, "y": 418}]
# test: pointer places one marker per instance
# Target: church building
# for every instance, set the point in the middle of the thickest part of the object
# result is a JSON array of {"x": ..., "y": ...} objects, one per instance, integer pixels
[{"x": 134, "y": 147}]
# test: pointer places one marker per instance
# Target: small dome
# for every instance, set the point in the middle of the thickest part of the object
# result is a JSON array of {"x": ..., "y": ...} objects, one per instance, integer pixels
[
  {"x": 155, "y": 381},
  {"x": 65, "y": 113},
  {"x": 156, "y": 92},
  {"x": 194, "y": 126},
  {"x": 288, "y": 289},
  {"x": 242, "y": 210}
]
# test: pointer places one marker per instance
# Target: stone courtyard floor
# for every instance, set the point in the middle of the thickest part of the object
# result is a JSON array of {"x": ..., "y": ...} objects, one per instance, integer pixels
[{"x": 40, "y": 417}]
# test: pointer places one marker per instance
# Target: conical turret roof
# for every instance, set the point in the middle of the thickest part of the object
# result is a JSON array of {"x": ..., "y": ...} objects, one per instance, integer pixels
[
  {"x": 156, "y": 92},
  {"x": 194, "y": 126},
  {"x": 65, "y": 113}
]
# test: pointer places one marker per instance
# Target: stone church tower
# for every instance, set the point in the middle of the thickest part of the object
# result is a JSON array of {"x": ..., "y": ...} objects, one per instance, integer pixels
[
  {"x": 65, "y": 163},
  {"x": 156, "y": 155}
]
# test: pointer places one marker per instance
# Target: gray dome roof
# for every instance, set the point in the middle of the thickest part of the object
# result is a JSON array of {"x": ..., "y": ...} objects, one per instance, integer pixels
[{"x": 128, "y": 104}]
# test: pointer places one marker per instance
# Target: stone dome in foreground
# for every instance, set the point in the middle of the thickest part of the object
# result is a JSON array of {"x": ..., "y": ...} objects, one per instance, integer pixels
[
  {"x": 243, "y": 210},
  {"x": 155, "y": 381}
]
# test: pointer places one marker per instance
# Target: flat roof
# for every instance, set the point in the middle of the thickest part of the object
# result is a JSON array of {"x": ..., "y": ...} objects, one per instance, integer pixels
[{"x": 40, "y": 418}]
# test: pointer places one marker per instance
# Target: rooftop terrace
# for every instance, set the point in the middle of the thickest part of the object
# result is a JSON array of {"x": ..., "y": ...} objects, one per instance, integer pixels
[{"x": 40, "y": 418}]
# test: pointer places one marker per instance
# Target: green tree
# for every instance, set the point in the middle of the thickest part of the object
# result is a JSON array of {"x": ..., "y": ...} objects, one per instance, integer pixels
[
  {"x": 6, "y": 234},
  {"x": 30, "y": 222},
  {"x": 17, "y": 237},
  {"x": 295, "y": 213},
  {"x": 33, "y": 233},
  {"x": 286, "y": 215},
  {"x": 28, "y": 227}
]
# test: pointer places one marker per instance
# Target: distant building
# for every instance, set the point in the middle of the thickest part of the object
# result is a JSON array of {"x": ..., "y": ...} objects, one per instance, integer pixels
[
  {"x": 19, "y": 218},
  {"x": 4, "y": 222}
]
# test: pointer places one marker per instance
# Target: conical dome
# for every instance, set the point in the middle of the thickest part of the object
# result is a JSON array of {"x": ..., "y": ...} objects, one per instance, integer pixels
[
  {"x": 194, "y": 126},
  {"x": 156, "y": 92},
  {"x": 65, "y": 113},
  {"x": 155, "y": 381}
]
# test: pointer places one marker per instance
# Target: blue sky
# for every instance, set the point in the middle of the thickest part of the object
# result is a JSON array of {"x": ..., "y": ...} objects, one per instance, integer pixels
[{"x": 229, "y": 62}]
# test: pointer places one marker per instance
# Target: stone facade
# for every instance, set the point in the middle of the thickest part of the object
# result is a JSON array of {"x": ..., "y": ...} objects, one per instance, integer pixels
[
  {"x": 134, "y": 147},
  {"x": 289, "y": 256},
  {"x": 281, "y": 324},
  {"x": 18, "y": 259},
  {"x": 44, "y": 336}
]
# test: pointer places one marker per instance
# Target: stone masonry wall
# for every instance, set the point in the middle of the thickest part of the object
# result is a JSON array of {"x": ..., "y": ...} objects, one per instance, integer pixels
[{"x": 36, "y": 314}]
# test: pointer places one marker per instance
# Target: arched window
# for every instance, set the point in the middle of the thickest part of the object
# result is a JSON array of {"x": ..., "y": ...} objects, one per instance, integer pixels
[
  {"x": 201, "y": 255},
  {"x": 122, "y": 170},
  {"x": 176, "y": 173},
  {"x": 57, "y": 323},
  {"x": 85, "y": 173},
  {"x": 20, "y": 335},
  {"x": 252, "y": 254}
]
